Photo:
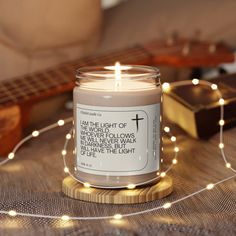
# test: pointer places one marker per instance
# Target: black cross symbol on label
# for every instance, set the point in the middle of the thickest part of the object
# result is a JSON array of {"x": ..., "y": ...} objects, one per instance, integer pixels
[{"x": 137, "y": 120}]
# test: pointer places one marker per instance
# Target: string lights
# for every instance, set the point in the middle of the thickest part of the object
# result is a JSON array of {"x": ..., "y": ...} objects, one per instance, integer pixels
[
  {"x": 195, "y": 81},
  {"x": 131, "y": 185},
  {"x": 87, "y": 185},
  {"x": 166, "y": 88}
]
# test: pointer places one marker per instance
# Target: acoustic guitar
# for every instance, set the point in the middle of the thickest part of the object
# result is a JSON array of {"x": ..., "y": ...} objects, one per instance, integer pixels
[{"x": 18, "y": 95}]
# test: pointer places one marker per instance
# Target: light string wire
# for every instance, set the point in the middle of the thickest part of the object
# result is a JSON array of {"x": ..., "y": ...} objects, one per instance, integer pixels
[
  {"x": 166, "y": 87},
  {"x": 129, "y": 186}
]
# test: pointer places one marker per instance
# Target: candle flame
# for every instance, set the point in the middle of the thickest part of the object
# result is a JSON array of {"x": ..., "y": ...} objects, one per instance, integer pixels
[{"x": 117, "y": 68}]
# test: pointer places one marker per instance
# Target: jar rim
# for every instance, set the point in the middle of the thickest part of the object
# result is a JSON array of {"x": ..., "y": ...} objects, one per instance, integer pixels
[{"x": 135, "y": 72}]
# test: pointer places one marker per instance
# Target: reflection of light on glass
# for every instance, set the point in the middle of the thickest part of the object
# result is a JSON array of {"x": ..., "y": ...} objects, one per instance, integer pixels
[
  {"x": 86, "y": 190},
  {"x": 87, "y": 185}
]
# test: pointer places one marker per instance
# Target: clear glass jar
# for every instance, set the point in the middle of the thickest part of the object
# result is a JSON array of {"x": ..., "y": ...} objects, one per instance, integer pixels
[{"x": 117, "y": 115}]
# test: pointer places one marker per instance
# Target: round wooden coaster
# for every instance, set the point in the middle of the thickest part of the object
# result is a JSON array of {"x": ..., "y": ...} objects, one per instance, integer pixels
[{"x": 74, "y": 189}]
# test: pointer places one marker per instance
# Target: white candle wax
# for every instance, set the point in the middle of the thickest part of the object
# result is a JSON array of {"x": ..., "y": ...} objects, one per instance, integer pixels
[{"x": 117, "y": 130}]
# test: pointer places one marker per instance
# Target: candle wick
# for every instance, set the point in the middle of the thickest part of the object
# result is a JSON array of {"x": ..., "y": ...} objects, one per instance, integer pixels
[
  {"x": 117, "y": 75},
  {"x": 117, "y": 85},
  {"x": 117, "y": 71}
]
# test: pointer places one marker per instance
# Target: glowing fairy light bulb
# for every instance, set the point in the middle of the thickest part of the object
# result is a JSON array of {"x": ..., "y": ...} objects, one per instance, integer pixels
[
  {"x": 228, "y": 165},
  {"x": 68, "y": 136},
  {"x": 66, "y": 169},
  {"x": 167, "y": 205},
  {"x": 174, "y": 161},
  {"x": 221, "y": 145},
  {"x": 11, "y": 155},
  {"x": 117, "y": 216},
  {"x": 131, "y": 186},
  {"x": 35, "y": 133},
  {"x": 221, "y": 101},
  {"x": 65, "y": 217},
  {"x": 173, "y": 138},
  {"x": 163, "y": 174},
  {"x": 63, "y": 152},
  {"x": 176, "y": 149},
  {"x": 221, "y": 122},
  {"x": 61, "y": 122},
  {"x": 167, "y": 129},
  {"x": 195, "y": 81},
  {"x": 210, "y": 186},
  {"x": 166, "y": 87},
  {"x": 214, "y": 86},
  {"x": 12, "y": 213}
]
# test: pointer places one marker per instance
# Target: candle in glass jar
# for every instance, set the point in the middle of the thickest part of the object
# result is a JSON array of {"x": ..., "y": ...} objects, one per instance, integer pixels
[{"x": 117, "y": 112}]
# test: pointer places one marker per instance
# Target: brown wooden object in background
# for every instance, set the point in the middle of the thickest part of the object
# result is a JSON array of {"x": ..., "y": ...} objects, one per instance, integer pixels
[
  {"x": 27, "y": 90},
  {"x": 196, "y": 109}
]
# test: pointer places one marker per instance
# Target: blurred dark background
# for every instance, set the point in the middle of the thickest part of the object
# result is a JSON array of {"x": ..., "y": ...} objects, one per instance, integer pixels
[{"x": 38, "y": 34}]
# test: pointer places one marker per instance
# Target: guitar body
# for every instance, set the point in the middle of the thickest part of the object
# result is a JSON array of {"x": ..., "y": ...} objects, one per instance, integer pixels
[{"x": 10, "y": 128}]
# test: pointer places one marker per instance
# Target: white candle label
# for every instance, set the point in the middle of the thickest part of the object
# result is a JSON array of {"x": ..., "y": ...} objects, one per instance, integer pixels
[{"x": 118, "y": 140}]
